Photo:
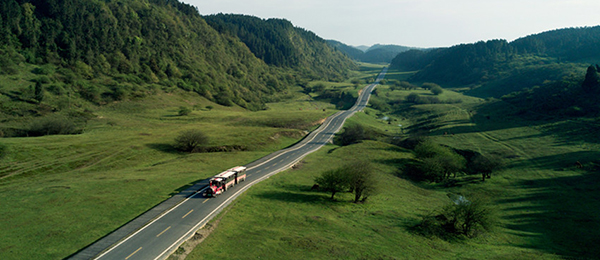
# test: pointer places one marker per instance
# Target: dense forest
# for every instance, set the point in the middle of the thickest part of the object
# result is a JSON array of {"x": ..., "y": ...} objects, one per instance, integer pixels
[
  {"x": 108, "y": 50},
  {"x": 497, "y": 67},
  {"x": 279, "y": 43}
]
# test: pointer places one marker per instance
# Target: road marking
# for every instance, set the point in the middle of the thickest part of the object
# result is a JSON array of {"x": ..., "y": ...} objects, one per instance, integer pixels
[
  {"x": 191, "y": 211},
  {"x": 205, "y": 201},
  {"x": 133, "y": 253},
  {"x": 163, "y": 231}
]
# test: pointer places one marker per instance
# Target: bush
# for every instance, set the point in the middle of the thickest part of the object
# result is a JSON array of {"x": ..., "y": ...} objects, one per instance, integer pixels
[
  {"x": 436, "y": 90},
  {"x": 55, "y": 125},
  {"x": 462, "y": 218},
  {"x": 184, "y": 111},
  {"x": 3, "y": 151},
  {"x": 190, "y": 140},
  {"x": 353, "y": 134}
]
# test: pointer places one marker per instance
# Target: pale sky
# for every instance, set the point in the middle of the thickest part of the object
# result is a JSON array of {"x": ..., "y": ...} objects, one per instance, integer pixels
[{"x": 416, "y": 23}]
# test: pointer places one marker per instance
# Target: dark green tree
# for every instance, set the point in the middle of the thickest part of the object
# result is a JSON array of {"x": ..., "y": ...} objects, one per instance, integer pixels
[
  {"x": 333, "y": 181},
  {"x": 190, "y": 140},
  {"x": 592, "y": 80},
  {"x": 436, "y": 90},
  {"x": 39, "y": 92},
  {"x": 361, "y": 180}
]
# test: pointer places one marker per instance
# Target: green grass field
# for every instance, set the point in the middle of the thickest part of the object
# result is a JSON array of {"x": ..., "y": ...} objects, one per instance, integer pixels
[
  {"x": 61, "y": 193},
  {"x": 548, "y": 207}
]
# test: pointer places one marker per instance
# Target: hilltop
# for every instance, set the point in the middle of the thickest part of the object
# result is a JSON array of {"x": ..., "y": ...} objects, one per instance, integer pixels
[
  {"x": 378, "y": 53},
  {"x": 497, "y": 67}
]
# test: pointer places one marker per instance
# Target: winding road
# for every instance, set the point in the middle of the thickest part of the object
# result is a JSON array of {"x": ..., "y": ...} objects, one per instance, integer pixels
[{"x": 158, "y": 237}]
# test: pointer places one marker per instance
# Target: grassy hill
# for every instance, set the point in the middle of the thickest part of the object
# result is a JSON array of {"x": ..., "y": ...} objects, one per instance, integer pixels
[
  {"x": 495, "y": 68},
  {"x": 547, "y": 206}
]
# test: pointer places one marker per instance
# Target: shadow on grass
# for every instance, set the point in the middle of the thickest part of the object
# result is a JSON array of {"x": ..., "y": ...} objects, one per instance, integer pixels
[
  {"x": 558, "y": 215},
  {"x": 288, "y": 196},
  {"x": 167, "y": 148}
]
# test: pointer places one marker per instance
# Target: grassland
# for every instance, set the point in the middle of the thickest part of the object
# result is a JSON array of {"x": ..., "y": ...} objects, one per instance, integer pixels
[
  {"x": 548, "y": 207},
  {"x": 61, "y": 193}
]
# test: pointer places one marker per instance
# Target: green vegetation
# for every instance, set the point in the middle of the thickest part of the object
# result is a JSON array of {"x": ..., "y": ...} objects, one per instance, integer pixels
[
  {"x": 124, "y": 163},
  {"x": 496, "y": 68},
  {"x": 541, "y": 205},
  {"x": 190, "y": 140},
  {"x": 279, "y": 43}
]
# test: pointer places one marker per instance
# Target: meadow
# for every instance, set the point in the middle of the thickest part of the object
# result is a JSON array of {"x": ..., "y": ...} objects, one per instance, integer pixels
[
  {"x": 547, "y": 205},
  {"x": 60, "y": 193}
]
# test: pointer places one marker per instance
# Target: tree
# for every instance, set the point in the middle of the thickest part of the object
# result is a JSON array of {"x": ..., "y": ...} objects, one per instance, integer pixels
[
  {"x": 413, "y": 98},
  {"x": 429, "y": 85},
  {"x": 436, "y": 90},
  {"x": 352, "y": 134},
  {"x": 39, "y": 92},
  {"x": 3, "y": 150},
  {"x": 486, "y": 165},
  {"x": 460, "y": 218},
  {"x": 361, "y": 180},
  {"x": 438, "y": 162},
  {"x": 190, "y": 140},
  {"x": 333, "y": 181},
  {"x": 592, "y": 80}
]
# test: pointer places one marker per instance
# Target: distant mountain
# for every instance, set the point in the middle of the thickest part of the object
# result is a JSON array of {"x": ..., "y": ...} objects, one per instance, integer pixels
[
  {"x": 363, "y": 48},
  {"x": 497, "y": 67},
  {"x": 279, "y": 43},
  {"x": 375, "y": 54},
  {"x": 352, "y": 52}
]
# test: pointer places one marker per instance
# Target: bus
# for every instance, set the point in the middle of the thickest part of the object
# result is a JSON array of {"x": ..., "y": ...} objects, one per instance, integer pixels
[{"x": 225, "y": 180}]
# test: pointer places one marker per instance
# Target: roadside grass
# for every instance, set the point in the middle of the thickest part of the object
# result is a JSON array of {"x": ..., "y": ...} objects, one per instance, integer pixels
[
  {"x": 281, "y": 218},
  {"x": 61, "y": 193},
  {"x": 548, "y": 207}
]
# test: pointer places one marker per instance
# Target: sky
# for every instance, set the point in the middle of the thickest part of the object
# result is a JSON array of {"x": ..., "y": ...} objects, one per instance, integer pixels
[{"x": 416, "y": 23}]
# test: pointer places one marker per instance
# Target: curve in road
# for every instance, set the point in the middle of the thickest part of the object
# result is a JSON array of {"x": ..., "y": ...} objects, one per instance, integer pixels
[{"x": 163, "y": 235}]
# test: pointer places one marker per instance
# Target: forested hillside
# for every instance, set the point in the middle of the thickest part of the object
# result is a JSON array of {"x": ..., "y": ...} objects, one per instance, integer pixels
[
  {"x": 139, "y": 42},
  {"x": 497, "y": 67},
  {"x": 279, "y": 43}
]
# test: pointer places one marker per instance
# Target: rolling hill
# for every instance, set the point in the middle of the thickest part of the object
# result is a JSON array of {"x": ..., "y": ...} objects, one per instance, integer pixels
[{"x": 497, "y": 67}]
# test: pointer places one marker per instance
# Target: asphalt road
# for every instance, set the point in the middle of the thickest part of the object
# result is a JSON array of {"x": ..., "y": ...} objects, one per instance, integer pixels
[{"x": 163, "y": 235}]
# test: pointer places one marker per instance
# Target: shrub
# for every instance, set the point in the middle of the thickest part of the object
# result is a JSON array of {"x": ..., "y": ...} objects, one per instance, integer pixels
[
  {"x": 184, "y": 111},
  {"x": 436, "y": 90},
  {"x": 190, "y": 140},
  {"x": 3, "y": 151},
  {"x": 55, "y": 125},
  {"x": 353, "y": 134},
  {"x": 462, "y": 218}
]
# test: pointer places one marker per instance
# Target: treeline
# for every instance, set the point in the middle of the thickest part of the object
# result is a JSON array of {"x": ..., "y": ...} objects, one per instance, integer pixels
[
  {"x": 572, "y": 96},
  {"x": 496, "y": 64},
  {"x": 279, "y": 43},
  {"x": 106, "y": 50}
]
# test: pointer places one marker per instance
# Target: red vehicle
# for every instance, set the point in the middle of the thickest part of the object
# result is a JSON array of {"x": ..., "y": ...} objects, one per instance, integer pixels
[{"x": 227, "y": 179}]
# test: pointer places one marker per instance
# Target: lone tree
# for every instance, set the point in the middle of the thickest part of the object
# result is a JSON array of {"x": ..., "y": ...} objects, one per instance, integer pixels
[
  {"x": 333, "y": 181},
  {"x": 592, "y": 80},
  {"x": 436, "y": 90},
  {"x": 361, "y": 180},
  {"x": 190, "y": 140}
]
